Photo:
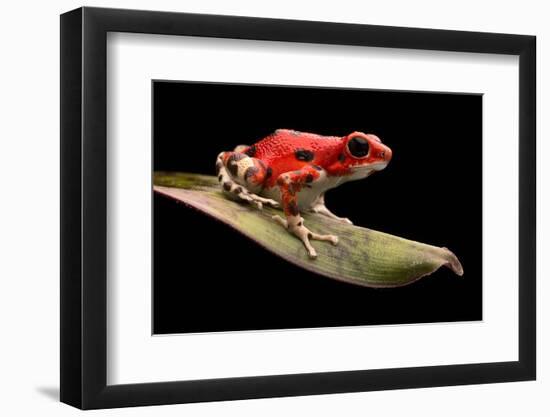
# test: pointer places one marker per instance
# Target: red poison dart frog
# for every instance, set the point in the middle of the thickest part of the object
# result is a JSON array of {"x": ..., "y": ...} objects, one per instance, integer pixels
[{"x": 294, "y": 170}]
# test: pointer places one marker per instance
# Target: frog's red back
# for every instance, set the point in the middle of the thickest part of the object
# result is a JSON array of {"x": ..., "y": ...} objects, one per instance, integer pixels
[{"x": 289, "y": 150}]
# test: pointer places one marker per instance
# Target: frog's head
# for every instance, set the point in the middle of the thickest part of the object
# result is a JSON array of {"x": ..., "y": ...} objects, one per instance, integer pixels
[{"x": 364, "y": 154}]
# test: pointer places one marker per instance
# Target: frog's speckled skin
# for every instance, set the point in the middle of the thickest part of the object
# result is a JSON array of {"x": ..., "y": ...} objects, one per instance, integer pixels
[{"x": 295, "y": 169}]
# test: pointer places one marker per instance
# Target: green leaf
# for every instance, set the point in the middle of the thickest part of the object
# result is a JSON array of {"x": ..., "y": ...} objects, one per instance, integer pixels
[{"x": 363, "y": 256}]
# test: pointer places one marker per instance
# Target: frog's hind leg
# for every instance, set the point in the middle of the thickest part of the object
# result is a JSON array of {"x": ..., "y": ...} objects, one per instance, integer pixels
[
  {"x": 320, "y": 207},
  {"x": 241, "y": 148},
  {"x": 241, "y": 176},
  {"x": 290, "y": 184}
]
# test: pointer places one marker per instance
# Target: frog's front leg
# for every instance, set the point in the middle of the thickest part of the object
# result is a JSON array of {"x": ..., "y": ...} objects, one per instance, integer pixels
[
  {"x": 290, "y": 184},
  {"x": 320, "y": 207}
]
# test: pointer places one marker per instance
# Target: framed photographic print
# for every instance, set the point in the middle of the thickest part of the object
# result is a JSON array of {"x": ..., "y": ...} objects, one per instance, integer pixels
[{"x": 259, "y": 207}]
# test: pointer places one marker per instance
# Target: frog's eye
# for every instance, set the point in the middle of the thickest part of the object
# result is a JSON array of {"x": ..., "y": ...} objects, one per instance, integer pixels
[{"x": 358, "y": 147}]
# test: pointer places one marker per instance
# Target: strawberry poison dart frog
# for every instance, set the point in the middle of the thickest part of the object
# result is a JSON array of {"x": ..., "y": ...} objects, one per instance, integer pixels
[{"x": 294, "y": 170}]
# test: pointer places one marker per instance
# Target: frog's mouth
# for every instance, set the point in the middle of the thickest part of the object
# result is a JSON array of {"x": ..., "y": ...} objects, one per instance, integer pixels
[
  {"x": 363, "y": 171},
  {"x": 378, "y": 166}
]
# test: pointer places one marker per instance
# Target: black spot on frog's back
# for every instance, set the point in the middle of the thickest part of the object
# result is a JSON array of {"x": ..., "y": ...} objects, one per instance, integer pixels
[{"x": 304, "y": 155}]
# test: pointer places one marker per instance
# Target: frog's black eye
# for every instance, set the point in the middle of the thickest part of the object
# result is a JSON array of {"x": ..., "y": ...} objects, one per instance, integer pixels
[{"x": 358, "y": 147}]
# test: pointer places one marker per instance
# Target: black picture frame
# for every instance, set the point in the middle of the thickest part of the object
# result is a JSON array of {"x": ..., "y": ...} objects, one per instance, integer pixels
[{"x": 84, "y": 207}]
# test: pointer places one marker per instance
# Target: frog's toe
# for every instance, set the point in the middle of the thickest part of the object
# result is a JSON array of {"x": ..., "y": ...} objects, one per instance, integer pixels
[
  {"x": 312, "y": 253},
  {"x": 333, "y": 239},
  {"x": 320, "y": 208},
  {"x": 267, "y": 201},
  {"x": 280, "y": 220},
  {"x": 327, "y": 238}
]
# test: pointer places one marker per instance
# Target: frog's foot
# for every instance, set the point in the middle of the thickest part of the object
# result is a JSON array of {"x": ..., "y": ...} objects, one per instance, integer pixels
[
  {"x": 235, "y": 191},
  {"x": 295, "y": 225},
  {"x": 256, "y": 200},
  {"x": 319, "y": 207}
]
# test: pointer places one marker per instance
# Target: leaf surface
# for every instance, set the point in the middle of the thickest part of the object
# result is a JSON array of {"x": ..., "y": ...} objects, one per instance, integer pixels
[{"x": 363, "y": 256}]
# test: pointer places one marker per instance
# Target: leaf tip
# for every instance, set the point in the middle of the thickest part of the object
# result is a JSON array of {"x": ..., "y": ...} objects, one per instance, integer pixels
[{"x": 452, "y": 262}]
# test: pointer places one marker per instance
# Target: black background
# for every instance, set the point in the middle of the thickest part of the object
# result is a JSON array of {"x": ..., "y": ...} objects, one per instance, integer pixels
[{"x": 208, "y": 277}]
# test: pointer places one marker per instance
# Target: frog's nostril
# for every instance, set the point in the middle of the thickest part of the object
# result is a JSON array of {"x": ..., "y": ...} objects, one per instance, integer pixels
[{"x": 381, "y": 154}]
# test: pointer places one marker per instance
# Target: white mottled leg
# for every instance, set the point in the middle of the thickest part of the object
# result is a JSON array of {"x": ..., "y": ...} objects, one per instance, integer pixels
[
  {"x": 236, "y": 191},
  {"x": 295, "y": 225},
  {"x": 319, "y": 207},
  {"x": 240, "y": 148}
]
